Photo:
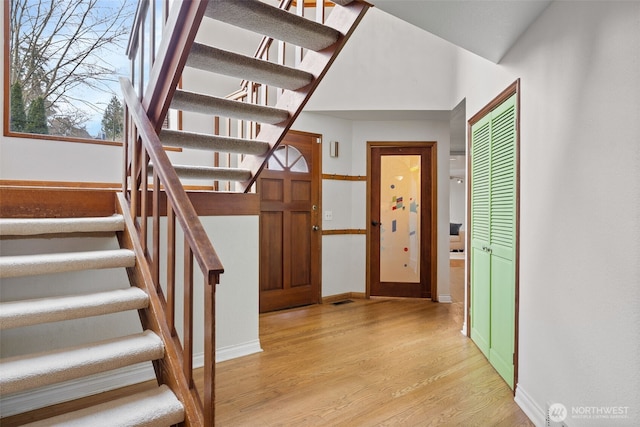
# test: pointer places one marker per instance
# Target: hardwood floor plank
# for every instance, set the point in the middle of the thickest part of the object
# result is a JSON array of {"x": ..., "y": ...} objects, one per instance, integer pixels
[
  {"x": 373, "y": 362},
  {"x": 376, "y": 362}
]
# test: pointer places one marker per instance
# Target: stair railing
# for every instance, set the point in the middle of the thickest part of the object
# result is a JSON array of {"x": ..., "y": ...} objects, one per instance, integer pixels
[{"x": 152, "y": 189}]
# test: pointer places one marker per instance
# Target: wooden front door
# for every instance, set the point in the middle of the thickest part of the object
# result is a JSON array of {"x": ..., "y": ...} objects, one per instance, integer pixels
[
  {"x": 402, "y": 226},
  {"x": 290, "y": 236}
]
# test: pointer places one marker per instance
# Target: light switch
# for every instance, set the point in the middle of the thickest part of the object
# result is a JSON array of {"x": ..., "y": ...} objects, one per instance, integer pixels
[{"x": 328, "y": 215}]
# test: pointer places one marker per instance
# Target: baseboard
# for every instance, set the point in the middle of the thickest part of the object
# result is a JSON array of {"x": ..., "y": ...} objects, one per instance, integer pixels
[
  {"x": 535, "y": 413},
  {"x": 445, "y": 299},
  {"x": 235, "y": 351},
  {"x": 106, "y": 381},
  {"x": 341, "y": 297}
]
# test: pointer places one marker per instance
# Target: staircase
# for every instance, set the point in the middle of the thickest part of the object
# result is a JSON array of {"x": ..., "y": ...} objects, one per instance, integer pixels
[
  {"x": 25, "y": 372},
  {"x": 255, "y": 121},
  {"x": 154, "y": 207}
]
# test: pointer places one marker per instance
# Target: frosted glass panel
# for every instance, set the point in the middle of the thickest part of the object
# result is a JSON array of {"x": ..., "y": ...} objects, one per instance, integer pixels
[{"x": 399, "y": 219}]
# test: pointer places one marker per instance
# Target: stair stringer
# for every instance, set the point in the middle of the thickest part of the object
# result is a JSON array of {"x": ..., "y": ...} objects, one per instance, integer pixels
[
  {"x": 345, "y": 19},
  {"x": 169, "y": 369}
]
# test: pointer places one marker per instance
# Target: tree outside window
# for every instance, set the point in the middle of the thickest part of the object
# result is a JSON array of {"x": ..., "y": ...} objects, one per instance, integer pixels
[{"x": 65, "y": 57}]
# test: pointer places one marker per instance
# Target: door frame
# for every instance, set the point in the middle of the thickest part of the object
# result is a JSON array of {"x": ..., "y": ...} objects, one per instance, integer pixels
[
  {"x": 431, "y": 145},
  {"x": 316, "y": 218},
  {"x": 512, "y": 89}
]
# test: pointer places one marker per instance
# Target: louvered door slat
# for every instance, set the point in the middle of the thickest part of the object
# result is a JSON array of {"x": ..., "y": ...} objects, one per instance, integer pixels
[
  {"x": 480, "y": 183},
  {"x": 502, "y": 201}
]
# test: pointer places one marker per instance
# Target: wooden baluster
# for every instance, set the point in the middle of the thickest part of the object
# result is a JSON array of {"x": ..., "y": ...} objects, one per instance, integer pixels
[
  {"x": 188, "y": 314},
  {"x": 144, "y": 200},
  {"x": 152, "y": 36},
  {"x": 209, "y": 350},
  {"x": 171, "y": 268},
  {"x": 216, "y": 154},
  {"x": 141, "y": 65},
  {"x": 135, "y": 161},
  {"x": 298, "y": 50},
  {"x": 156, "y": 231},
  {"x": 125, "y": 151},
  {"x": 320, "y": 11}
]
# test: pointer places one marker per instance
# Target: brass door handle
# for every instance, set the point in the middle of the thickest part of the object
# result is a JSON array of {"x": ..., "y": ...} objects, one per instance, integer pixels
[{"x": 315, "y": 228}]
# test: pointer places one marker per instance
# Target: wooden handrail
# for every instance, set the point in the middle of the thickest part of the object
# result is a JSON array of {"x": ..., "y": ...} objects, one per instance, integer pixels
[
  {"x": 138, "y": 22},
  {"x": 146, "y": 150},
  {"x": 186, "y": 215}
]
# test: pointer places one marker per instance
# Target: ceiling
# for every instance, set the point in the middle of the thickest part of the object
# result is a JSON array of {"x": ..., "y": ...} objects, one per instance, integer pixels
[{"x": 485, "y": 27}]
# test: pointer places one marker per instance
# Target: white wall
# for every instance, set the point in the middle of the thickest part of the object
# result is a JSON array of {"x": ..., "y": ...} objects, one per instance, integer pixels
[
  {"x": 580, "y": 207},
  {"x": 385, "y": 66},
  {"x": 41, "y": 160}
]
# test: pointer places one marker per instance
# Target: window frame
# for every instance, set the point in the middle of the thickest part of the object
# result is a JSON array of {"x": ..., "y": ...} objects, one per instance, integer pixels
[{"x": 6, "y": 131}]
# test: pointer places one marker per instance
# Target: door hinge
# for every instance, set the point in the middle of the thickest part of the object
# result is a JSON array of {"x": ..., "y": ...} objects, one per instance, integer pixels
[{"x": 318, "y": 140}]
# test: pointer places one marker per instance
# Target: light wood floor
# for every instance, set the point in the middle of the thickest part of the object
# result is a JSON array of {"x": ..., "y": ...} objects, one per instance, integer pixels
[{"x": 368, "y": 363}]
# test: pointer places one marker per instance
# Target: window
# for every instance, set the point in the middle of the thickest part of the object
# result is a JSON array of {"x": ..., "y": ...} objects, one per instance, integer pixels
[
  {"x": 288, "y": 158},
  {"x": 63, "y": 63}
]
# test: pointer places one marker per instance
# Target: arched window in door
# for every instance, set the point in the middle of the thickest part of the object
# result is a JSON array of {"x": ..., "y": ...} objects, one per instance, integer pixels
[{"x": 288, "y": 158}]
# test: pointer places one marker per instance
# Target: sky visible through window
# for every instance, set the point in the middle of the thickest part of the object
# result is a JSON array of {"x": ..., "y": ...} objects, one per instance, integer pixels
[{"x": 67, "y": 55}]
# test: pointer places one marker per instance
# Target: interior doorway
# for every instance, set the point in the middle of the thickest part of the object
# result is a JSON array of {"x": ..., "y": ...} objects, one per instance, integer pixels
[
  {"x": 402, "y": 219},
  {"x": 290, "y": 235}
]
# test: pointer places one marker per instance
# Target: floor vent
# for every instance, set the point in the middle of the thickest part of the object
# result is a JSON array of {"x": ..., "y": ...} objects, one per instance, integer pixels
[{"x": 346, "y": 301}]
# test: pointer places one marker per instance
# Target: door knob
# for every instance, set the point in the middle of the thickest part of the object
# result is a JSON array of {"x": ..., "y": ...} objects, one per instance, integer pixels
[
  {"x": 315, "y": 228},
  {"x": 375, "y": 223}
]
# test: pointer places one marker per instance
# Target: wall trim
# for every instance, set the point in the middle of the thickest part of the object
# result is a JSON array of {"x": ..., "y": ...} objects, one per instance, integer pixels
[
  {"x": 231, "y": 352},
  {"x": 106, "y": 381},
  {"x": 343, "y": 231},
  {"x": 329, "y": 299},
  {"x": 445, "y": 298},
  {"x": 531, "y": 409}
]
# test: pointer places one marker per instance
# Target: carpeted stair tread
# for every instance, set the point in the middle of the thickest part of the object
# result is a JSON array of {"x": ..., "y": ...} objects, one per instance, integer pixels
[
  {"x": 214, "y": 106},
  {"x": 200, "y": 141},
  {"x": 17, "y": 314},
  {"x": 32, "y": 265},
  {"x": 220, "y": 61},
  {"x": 27, "y": 372},
  {"x": 153, "y": 408},
  {"x": 37, "y": 226},
  {"x": 210, "y": 173},
  {"x": 262, "y": 18}
]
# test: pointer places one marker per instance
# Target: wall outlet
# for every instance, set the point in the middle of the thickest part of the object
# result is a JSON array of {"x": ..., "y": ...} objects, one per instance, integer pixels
[{"x": 328, "y": 215}]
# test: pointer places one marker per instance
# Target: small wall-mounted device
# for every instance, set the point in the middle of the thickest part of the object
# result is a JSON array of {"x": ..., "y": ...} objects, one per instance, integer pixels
[{"x": 333, "y": 149}]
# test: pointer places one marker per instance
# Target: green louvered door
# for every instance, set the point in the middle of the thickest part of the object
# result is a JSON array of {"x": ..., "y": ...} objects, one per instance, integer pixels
[{"x": 493, "y": 236}]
